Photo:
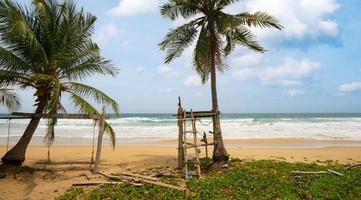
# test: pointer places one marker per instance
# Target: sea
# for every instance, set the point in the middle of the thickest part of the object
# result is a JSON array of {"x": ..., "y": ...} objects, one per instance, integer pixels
[{"x": 319, "y": 126}]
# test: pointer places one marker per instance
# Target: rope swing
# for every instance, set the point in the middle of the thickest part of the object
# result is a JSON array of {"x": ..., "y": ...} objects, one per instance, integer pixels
[
  {"x": 92, "y": 159},
  {"x": 8, "y": 138}
]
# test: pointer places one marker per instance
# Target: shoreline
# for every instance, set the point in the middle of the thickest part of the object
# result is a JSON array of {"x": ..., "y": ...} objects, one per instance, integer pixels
[{"x": 287, "y": 143}]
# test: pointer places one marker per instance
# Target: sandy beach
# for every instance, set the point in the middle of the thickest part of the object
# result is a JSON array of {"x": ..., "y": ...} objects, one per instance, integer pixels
[{"x": 53, "y": 180}]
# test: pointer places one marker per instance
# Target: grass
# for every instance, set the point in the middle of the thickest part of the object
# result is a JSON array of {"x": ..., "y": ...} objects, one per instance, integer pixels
[{"x": 244, "y": 180}]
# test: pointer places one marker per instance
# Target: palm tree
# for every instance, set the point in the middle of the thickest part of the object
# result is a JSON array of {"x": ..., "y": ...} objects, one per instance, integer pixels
[
  {"x": 9, "y": 99},
  {"x": 48, "y": 48},
  {"x": 216, "y": 34}
]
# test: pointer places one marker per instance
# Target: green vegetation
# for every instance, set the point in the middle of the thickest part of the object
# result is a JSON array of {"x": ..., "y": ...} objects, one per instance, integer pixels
[
  {"x": 244, "y": 180},
  {"x": 47, "y": 48}
]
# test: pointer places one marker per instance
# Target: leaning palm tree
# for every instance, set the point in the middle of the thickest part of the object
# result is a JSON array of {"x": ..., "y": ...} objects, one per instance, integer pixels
[
  {"x": 216, "y": 33},
  {"x": 47, "y": 47},
  {"x": 9, "y": 99}
]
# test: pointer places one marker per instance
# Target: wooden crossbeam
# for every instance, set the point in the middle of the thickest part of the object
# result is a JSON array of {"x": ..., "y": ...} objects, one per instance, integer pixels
[
  {"x": 58, "y": 116},
  {"x": 198, "y": 114},
  {"x": 190, "y": 145}
]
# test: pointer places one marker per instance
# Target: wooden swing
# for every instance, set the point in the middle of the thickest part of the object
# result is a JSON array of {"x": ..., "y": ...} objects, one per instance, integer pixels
[{"x": 102, "y": 117}]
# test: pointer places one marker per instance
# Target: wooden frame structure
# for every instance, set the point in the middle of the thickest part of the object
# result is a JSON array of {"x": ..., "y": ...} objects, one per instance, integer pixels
[
  {"x": 102, "y": 117},
  {"x": 183, "y": 116}
]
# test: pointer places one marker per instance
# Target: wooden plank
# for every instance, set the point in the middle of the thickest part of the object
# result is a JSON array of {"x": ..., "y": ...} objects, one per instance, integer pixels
[
  {"x": 64, "y": 163},
  {"x": 307, "y": 172},
  {"x": 353, "y": 166},
  {"x": 180, "y": 135},
  {"x": 189, "y": 146},
  {"x": 334, "y": 172},
  {"x": 164, "y": 185},
  {"x": 14, "y": 117},
  {"x": 58, "y": 116},
  {"x": 159, "y": 173},
  {"x": 138, "y": 176},
  {"x": 95, "y": 183},
  {"x": 198, "y": 114}
]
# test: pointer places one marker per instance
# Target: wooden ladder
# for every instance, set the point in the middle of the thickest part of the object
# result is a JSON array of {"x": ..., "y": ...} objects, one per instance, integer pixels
[{"x": 190, "y": 145}]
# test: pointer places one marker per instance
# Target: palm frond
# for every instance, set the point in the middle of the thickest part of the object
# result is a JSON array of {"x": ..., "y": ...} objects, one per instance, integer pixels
[
  {"x": 201, "y": 55},
  {"x": 243, "y": 37},
  {"x": 85, "y": 107},
  {"x": 54, "y": 97},
  {"x": 93, "y": 93},
  {"x": 178, "y": 8},
  {"x": 13, "y": 22},
  {"x": 89, "y": 67},
  {"x": 10, "y": 61},
  {"x": 221, "y": 4},
  {"x": 11, "y": 78},
  {"x": 50, "y": 131},
  {"x": 258, "y": 19},
  {"x": 177, "y": 40},
  {"x": 9, "y": 99}
]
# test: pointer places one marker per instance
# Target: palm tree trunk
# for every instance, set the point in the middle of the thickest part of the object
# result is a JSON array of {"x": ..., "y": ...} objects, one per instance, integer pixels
[
  {"x": 220, "y": 154},
  {"x": 16, "y": 155}
]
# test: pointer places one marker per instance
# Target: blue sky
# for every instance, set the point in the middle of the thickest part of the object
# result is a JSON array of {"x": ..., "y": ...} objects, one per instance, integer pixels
[{"x": 313, "y": 65}]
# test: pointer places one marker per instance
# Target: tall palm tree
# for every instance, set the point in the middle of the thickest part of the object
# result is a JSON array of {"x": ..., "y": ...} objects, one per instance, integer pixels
[
  {"x": 216, "y": 33},
  {"x": 47, "y": 47},
  {"x": 9, "y": 99}
]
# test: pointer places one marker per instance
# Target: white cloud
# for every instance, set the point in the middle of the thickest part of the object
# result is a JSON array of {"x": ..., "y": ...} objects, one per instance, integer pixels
[
  {"x": 247, "y": 60},
  {"x": 245, "y": 73},
  {"x": 247, "y": 64},
  {"x": 349, "y": 87},
  {"x": 134, "y": 7},
  {"x": 193, "y": 81},
  {"x": 300, "y": 18},
  {"x": 167, "y": 71},
  {"x": 294, "y": 93},
  {"x": 105, "y": 34},
  {"x": 290, "y": 72},
  {"x": 140, "y": 69}
]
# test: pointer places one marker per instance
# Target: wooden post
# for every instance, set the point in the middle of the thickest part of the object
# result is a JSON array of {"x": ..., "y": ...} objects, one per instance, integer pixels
[
  {"x": 185, "y": 143},
  {"x": 205, "y": 142},
  {"x": 194, "y": 131},
  {"x": 180, "y": 135},
  {"x": 100, "y": 141}
]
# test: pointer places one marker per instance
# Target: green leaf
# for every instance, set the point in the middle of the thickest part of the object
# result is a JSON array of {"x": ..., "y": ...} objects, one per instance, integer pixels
[
  {"x": 93, "y": 93},
  {"x": 9, "y": 99}
]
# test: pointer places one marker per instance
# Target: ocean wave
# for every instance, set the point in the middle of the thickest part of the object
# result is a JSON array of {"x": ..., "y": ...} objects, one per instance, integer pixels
[{"x": 165, "y": 126}]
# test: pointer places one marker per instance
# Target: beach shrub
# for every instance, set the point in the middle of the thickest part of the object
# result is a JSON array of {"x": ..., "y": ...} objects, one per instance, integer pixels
[{"x": 264, "y": 179}]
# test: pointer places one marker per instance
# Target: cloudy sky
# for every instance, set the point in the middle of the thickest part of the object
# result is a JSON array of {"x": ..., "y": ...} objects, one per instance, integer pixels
[{"x": 313, "y": 65}]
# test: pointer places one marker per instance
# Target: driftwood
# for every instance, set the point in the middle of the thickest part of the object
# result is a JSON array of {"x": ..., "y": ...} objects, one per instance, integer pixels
[
  {"x": 317, "y": 172},
  {"x": 95, "y": 183},
  {"x": 334, "y": 172},
  {"x": 130, "y": 179},
  {"x": 160, "y": 173},
  {"x": 137, "y": 176},
  {"x": 64, "y": 163},
  {"x": 306, "y": 172},
  {"x": 353, "y": 166}
]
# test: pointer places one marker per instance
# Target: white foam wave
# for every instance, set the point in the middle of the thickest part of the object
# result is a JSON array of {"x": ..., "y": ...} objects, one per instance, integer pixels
[{"x": 240, "y": 128}]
